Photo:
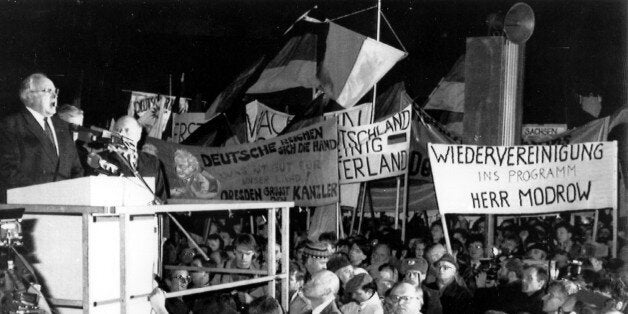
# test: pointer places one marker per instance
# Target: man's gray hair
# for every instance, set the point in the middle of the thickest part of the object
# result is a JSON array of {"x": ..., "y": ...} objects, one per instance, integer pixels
[{"x": 27, "y": 85}]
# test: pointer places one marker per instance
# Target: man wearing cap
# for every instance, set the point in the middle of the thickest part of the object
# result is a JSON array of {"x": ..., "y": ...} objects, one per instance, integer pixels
[
  {"x": 315, "y": 257},
  {"x": 454, "y": 295},
  {"x": 414, "y": 271},
  {"x": 537, "y": 252},
  {"x": 321, "y": 290},
  {"x": 363, "y": 291}
]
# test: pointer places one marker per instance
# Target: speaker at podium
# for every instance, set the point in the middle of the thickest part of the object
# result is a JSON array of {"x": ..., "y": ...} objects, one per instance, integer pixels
[{"x": 90, "y": 255}]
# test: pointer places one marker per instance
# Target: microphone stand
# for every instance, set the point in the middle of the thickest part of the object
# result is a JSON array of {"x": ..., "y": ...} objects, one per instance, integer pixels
[{"x": 158, "y": 201}]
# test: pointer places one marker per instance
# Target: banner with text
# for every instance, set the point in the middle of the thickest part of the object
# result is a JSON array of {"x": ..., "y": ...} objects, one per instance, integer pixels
[
  {"x": 375, "y": 151},
  {"x": 300, "y": 166},
  {"x": 152, "y": 111},
  {"x": 524, "y": 179},
  {"x": 185, "y": 124},
  {"x": 540, "y": 132},
  {"x": 263, "y": 122}
]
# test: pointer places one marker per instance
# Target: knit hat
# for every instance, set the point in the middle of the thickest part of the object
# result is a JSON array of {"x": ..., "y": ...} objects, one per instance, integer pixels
[
  {"x": 317, "y": 250},
  {"x": 357, "y": 282},
  {"x": 449, "y": 259},
  {"x": 418, "y": 264},
  {"x": 337, "y": 261}
]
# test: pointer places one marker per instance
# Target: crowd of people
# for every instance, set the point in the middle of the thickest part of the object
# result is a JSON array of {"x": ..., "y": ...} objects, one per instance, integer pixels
[{"x": 536, "y": 265}]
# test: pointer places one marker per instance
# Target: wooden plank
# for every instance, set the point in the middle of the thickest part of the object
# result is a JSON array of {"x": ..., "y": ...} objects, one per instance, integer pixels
[
  {"x": 285, "y": 257},
  {"x": 219, "y": 270},
  {"x": 123, "y": 225},
  {"x": 200, "y": 207}
]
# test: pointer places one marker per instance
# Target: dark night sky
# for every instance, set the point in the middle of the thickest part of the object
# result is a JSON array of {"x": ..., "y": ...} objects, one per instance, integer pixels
[{"x": 110, "y": 46}]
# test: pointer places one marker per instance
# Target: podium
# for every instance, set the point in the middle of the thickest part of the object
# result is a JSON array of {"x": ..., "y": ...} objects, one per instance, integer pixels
[{"x": 91, "y": 253}]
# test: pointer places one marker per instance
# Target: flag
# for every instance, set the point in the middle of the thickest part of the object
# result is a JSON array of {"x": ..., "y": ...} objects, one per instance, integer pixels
[
  {"x": 449, "y": 94},
  {"x": 215, "y": 132},
  {"x": 392, "y": 101},
  {"x": 340, "y": 62}
]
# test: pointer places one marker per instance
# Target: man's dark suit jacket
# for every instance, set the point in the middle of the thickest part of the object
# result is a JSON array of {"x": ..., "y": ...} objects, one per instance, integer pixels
[
  {"x": 27, "y": 157},
  {"x": 147, "y": 166}
]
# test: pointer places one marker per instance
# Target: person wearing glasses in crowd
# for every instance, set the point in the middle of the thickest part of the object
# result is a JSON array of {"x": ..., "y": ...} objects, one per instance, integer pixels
[
  {"x": 178, "y": 280},
  {"x": 36, "y": 146},
  {"x": 404, "y": 299},
  {"x": 454, "y": 295}
]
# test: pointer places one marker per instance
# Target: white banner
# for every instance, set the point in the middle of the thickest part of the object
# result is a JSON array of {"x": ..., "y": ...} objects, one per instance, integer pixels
[
  {"x": 374, "y": 151},
  {"x": 152, "y": 111},
  {"x": 185, "y": 124},
  {"x": 524, "y": 179}
]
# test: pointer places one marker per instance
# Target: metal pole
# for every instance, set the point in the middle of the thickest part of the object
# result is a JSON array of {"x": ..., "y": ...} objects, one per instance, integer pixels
[
  {"x": 406, "y": 190},
  {"x": 397, "y": 203},
  {"x": 270, "y": 250},
  {"x": 379, "y": 24}
]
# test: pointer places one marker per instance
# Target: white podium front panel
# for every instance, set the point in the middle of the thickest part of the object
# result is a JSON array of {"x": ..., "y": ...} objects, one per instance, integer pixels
[{"x": 87, "y": 191}]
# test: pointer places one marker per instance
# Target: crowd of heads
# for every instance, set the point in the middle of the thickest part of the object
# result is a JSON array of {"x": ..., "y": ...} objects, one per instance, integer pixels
[{"x": 534, "y": 265}]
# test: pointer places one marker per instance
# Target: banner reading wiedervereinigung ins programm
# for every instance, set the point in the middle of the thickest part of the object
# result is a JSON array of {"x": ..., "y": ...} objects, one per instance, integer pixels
[
  {"x": 301, "y": 166},
  {"x": 524, "y": 179}
]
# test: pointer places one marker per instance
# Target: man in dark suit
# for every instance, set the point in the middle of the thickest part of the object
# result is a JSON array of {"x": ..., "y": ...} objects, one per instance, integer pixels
[
  {"x": 127, "y": 159},
  {"x": 36, "y": 147}
]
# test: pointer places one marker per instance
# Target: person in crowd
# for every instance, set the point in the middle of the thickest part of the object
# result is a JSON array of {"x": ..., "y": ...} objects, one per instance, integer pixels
[
  {"x": 474, "y": 265},
  {"x": 381, "y": 255},
  {"x": 436, "y": 230},
  {"x": 557, "y": 300},
  {"x": 454, "y": 295},
  {"x": 414, "y": 271},
  {"x": 419, "y": 246},
  {"x": 537, "y": 252},
  {"x": 265, "y": 305},
  {"x": 344, "y": 246},
  {"x": 128, "y": 159},
  {"x": 360, "y": 252},
  {"x": 532, "y": 286},
  {"x": 321, "y": 291},
  {"x": 387, "y": 277},
  {"x": 177, "y": 280},
  {"x": 340, "y": 265},
  {"x": 565, "y": 248},
  {"x": 510, "y": 245},
  {"x": 461, "y": 235},
  {"x": 215, "y": 242},
  {"x": 245, "y": 248},
  {"x": 433, "y": 254},
  {"x": 363, "y": 292},
  {"x": 36, "y": 146},
  {"x": 404, "y": 299},
  {"x": 315, "y": 257},
  {"x": 298, "y": 302},
  {"x": 495, "y": 295},
  {"x": 201, "y": 278},
  {"x": 227, "y": 234}
]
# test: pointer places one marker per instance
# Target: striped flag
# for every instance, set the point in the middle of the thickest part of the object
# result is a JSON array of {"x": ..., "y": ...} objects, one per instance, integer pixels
[{"x": 324, "y": 55}]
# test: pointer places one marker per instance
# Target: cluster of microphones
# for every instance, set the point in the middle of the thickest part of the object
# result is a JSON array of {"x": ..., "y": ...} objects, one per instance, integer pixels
[{"x": 101, "y": 138}]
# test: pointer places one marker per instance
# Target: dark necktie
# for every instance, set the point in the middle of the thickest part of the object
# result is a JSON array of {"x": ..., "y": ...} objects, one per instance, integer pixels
[{"x": 49, "y": 134}]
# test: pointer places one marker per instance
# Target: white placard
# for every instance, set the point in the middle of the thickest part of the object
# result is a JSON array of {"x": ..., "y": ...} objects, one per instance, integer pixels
[{"x": 524, "y": 179}]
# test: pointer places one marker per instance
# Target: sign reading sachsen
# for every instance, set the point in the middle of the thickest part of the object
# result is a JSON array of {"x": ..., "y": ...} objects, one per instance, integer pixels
[
  {"x": 374, "y": 151},
  {"x": 524, "y": 179},
  {"x": 301, "y": 166}
]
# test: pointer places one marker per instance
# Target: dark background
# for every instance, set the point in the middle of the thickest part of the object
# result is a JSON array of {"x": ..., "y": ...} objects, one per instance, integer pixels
[{"x": 93, "y": 50}]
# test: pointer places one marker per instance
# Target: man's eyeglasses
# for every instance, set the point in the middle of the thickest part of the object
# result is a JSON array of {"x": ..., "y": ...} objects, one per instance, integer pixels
[
  {"x": 54, "y": 92},
  {"x": 401, "y": 298},
  {"x": 183, "y": 278}
]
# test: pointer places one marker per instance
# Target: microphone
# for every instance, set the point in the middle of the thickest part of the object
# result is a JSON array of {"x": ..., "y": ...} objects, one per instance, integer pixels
[
  {"x": 100, "y": 165},
  {"x": 102, "y": 137}
]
